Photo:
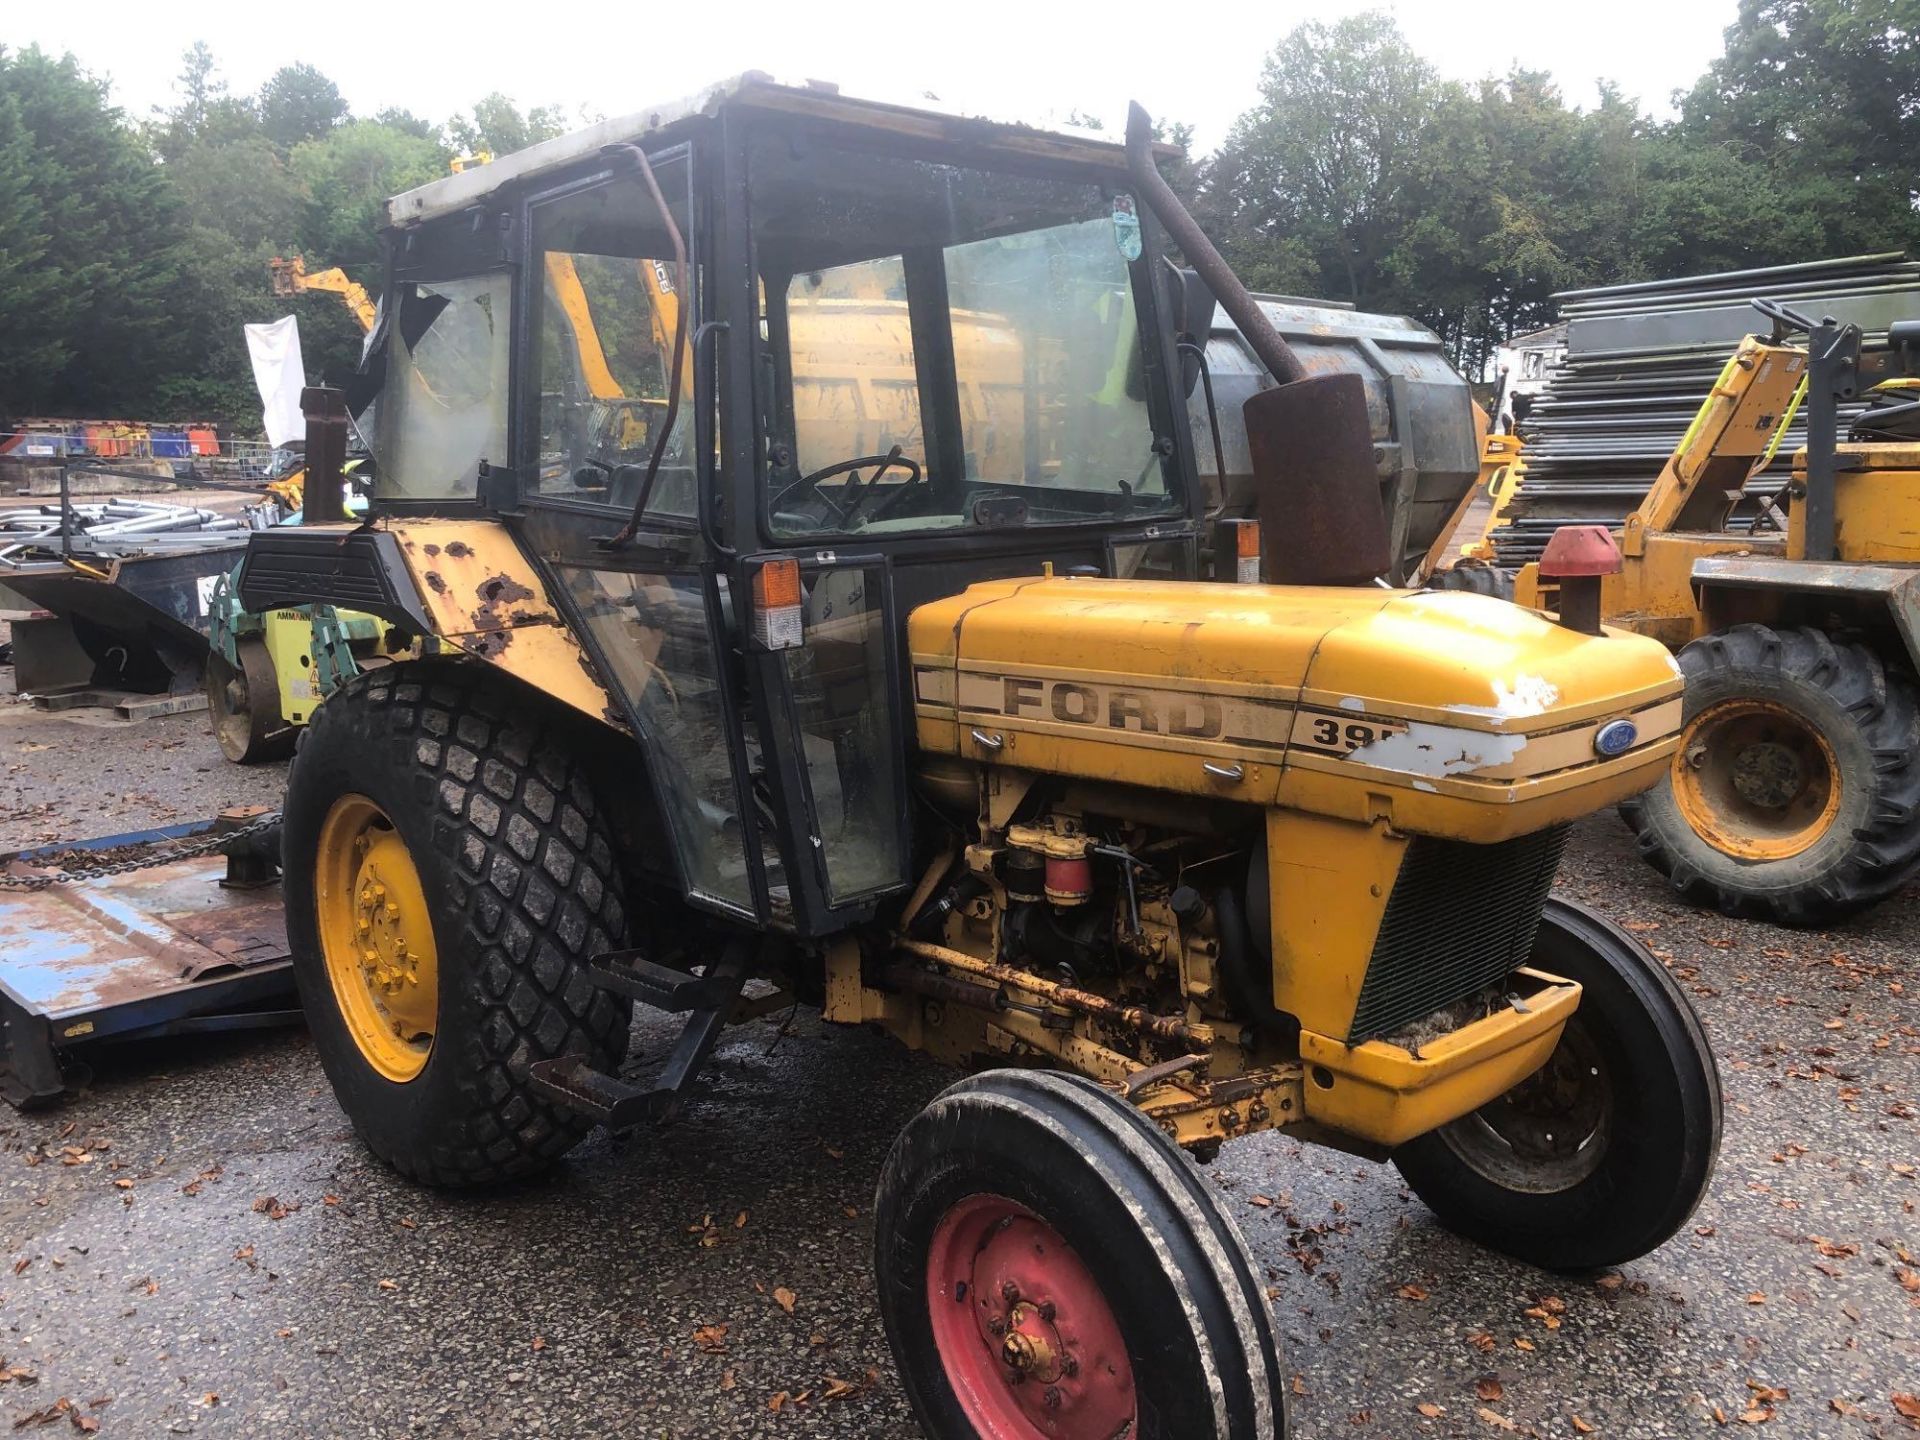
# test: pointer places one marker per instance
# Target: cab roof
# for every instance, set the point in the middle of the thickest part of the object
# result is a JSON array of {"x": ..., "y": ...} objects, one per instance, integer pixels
[{"x": 760, "y": 91}]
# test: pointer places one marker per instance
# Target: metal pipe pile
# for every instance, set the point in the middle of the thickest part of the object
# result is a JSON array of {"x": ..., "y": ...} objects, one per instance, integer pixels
[
  {"x": 106, "y": 527},
  {"x": 1640, "y": 360}
]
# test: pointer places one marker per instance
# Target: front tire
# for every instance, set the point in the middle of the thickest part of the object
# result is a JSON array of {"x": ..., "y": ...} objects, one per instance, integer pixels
[
  {"x": 1795, "y": 795},
  {"x": 1050, "y": 1264},
  {"x": 447, "y": 876},
  {"x": 1603, "y": 1154}
]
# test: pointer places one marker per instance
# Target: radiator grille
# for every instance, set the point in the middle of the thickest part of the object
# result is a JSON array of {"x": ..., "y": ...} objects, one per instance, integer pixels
[{"x": 1460, "y": 917}]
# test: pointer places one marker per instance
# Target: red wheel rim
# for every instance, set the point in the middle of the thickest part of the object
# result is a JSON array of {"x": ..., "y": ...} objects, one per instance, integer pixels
[{"x": 1029, "y": 1344}]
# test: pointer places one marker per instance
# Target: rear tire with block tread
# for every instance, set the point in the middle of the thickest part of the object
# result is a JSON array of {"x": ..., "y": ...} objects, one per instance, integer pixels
[{"x": 518, "y": 868}]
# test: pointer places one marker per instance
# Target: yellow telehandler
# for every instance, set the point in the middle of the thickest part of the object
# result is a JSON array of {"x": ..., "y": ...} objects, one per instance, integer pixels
[
  {"x": 1794, "y": 795},
  {"x": 1163, "y": 861}
]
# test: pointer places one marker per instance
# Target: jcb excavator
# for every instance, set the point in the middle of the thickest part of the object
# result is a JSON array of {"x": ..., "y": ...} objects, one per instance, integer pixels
[
  {"x": 1794, "y": 795},
  {"x": 1164, "y": 862}
]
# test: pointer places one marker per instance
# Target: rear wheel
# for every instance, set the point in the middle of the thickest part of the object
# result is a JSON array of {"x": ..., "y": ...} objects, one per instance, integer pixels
[
  {"x": 448, "y": 875},
  {"x": 244, "y": 703},
  {"x": 1795, "y": 794},
  {"x": 1602, "y": 1154},
  {"x": 1052, "y": 1268}
]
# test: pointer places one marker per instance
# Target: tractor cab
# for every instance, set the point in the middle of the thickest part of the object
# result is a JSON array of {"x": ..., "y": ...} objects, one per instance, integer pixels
[{"x": 748, "y": 379}]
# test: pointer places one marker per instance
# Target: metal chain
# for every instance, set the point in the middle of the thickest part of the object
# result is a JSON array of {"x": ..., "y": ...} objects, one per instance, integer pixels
[{"x": 163, "y": 855}]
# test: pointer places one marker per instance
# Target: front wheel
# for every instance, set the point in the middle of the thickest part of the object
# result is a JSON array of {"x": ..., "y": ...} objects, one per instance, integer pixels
[
  {"x": 1795, "y": 794},
  {"x": 1601, "y": 1155},
  {"x": 1052, "y": 1268}
]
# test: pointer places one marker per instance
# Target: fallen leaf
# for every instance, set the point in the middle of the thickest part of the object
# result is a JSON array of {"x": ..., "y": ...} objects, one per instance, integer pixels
[
  {"x": 539, "y": 1342},
  {"x": 1520, "y": 1342},
  {"x": 784, "y": 1298},
  {"x": 388, "y": 1285},
  {"x": 1907, "y": 1405},
  {"x": 123, "y": 1184},
  {"x": 712, "y": 1339},
  {"x": 740, "y": 1221},
  {"x": 1580, "y": 1426},
  {"x": 1265, "y": 1202},
  {"x": 778, "y": 1402},
  {"x": 1431, "y": 1410},
  {"x": 1489, "y": 1389},
  {"x": 1411, "y": 1292},
  {"x": 1497, "y": 1421},
  {"x": 1481, "y": 1340},
  {"x": 1758, "y": 1297}
]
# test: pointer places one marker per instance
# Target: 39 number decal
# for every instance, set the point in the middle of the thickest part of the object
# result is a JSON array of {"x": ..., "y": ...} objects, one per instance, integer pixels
[{"x": 1343, "y": 737}]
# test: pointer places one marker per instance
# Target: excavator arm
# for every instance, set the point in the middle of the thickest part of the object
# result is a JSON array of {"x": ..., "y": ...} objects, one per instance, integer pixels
[{"x": 290, "y": 277}]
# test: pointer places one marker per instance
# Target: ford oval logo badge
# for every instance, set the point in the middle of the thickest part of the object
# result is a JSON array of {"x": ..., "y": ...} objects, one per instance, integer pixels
[{"x": 1616, "y": 737}]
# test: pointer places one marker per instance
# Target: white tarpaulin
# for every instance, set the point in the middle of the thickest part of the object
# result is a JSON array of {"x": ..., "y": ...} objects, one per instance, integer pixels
[{"x": 280, "y": 376}]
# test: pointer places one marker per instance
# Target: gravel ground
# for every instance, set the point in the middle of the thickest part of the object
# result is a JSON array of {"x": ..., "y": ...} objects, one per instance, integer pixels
[{"x": 199, "y": 1245}]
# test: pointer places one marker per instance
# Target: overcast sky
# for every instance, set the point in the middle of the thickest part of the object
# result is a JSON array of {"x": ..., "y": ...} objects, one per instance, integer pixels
[{"x": 1036, "y": 60}]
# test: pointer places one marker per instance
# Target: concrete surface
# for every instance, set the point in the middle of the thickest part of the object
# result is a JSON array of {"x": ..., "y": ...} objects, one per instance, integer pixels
[{"x": 198, "y": 1245}]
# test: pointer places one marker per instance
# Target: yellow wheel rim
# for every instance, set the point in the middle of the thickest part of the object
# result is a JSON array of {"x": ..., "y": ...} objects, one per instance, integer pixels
[
  {"x": 1755, "y": 781},
  {"x": 376, "y": 935}
]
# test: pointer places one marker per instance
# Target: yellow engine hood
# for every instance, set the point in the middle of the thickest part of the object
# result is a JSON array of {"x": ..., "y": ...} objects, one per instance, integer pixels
[{"x": 1327, "y": 698}]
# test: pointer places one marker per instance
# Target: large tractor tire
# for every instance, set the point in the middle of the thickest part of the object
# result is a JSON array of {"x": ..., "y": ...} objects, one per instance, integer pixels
[
  {"x": 1051, "y": 1265},
  {"x": 448, "y": 875},
  {"x": 1474, "y": 580},
  {"x": 244, "y": 703},
  {"x": 1603, "y": 1153},
  {"x": 1795, "y": 795}
]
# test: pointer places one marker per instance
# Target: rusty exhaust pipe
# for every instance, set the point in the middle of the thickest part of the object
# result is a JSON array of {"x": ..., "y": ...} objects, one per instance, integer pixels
[{"x": 1322, "y": 519}]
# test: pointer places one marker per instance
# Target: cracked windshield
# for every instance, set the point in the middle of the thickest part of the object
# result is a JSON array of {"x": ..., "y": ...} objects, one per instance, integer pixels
[{"x": 944, "y": 347}]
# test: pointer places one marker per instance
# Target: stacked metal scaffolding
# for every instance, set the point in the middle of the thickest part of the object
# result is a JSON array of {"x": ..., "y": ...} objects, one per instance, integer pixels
[
  {"x": 1640, "y": 360},
  {"x": 109, "y": 527}
]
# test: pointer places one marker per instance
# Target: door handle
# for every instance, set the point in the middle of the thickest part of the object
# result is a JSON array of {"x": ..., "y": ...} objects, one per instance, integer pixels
[
  {"x": 988, "y": 741},
  {"x": 1223, "y": 772}
]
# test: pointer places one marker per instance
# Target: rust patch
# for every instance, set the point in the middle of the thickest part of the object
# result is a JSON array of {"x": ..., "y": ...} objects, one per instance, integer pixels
[
  {"x": 459, "y": 549},
  {"x": 435, "y": 583},
  {"x": 502, "y": 590},
  {"x": 489, "y": 644},
  {"x": 431, "y": 549}
]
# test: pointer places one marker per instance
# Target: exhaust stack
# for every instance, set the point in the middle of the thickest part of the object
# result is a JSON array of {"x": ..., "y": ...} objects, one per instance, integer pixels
[{"x": 1322, "y": 520}]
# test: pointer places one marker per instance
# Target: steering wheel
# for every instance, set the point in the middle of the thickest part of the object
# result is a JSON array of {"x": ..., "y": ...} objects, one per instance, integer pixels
[{"x": 855, "y": 488}]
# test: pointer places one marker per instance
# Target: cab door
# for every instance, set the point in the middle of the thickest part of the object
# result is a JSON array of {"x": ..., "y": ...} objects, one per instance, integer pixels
[
  {"x": 831, "y": 709},
  {"x": 615, "y": 456}
]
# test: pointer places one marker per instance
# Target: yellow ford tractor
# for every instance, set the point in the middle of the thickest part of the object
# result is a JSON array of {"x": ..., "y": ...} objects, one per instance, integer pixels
[{"x": 1165, "y": 860}]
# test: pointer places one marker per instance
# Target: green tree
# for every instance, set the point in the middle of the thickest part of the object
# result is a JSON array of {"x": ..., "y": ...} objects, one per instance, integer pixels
[
  {"x": 116, "y": 232},
  {"x": 496, "y": 125},
  {"x": 347, "y": 177},
  {"x": 34, "y": 310},
  {"x": 299, "y": 103},
  {"x": 205, "y": 112},
  {"x": 1823, "y": 97}
]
